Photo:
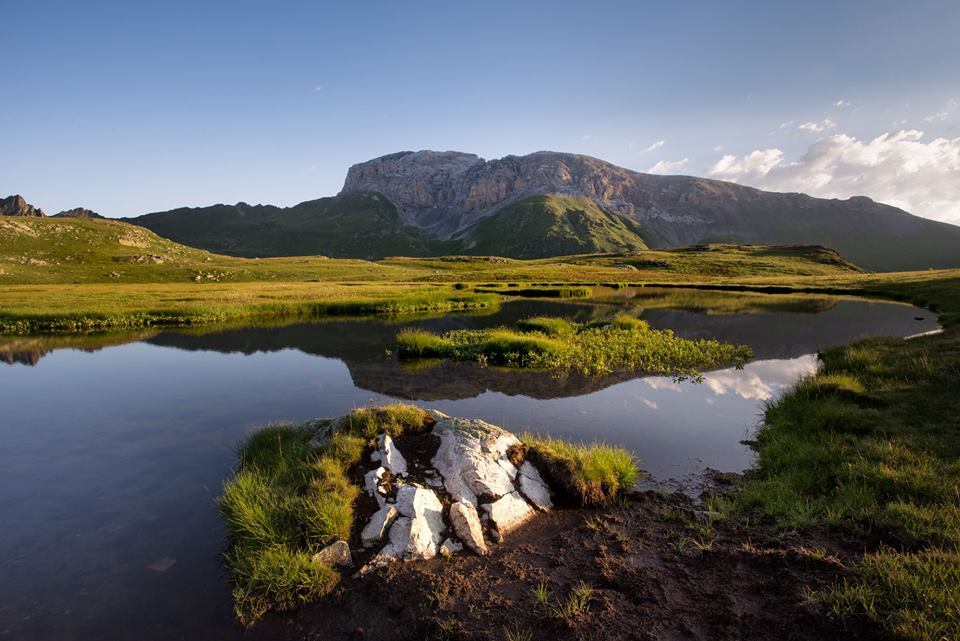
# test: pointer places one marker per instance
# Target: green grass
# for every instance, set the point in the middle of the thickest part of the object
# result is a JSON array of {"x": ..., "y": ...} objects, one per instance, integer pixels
[
  {"x": 592, "y": 349},
  {"x": 288, "y": 500},
  {"x": 587, "y": 474},
  {"x": 62, "y": 275},
  {"x": 551, "y": 225},
  {"x": 84, "y": 308},
  {"x": 869, "y": 449}
]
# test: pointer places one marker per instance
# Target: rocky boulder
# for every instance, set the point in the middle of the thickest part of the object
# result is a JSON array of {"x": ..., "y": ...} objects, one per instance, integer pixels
[{"x": 434, "y": 507}]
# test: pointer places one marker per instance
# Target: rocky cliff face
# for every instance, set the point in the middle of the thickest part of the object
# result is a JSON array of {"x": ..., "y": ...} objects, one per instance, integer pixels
[
  {"x": 17, "y": 206},
  {"x": 448, "y": 193}
]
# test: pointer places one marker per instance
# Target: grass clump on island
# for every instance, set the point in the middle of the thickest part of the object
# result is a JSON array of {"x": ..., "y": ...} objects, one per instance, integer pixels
[
  {"x": 288, "y": 500},
  {"x": 590, "y": 348},
  {"x": 869, "y": 448}
]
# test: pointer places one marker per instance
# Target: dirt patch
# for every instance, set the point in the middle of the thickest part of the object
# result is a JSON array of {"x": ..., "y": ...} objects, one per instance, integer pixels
[{"x": 653, "y": 574}]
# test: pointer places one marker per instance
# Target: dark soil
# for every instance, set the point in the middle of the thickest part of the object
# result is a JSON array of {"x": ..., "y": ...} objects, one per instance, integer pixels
[{"x": 656, "y": 569}]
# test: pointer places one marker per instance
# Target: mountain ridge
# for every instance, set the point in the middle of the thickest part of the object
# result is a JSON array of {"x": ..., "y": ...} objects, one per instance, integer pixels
[{"x": 430, "y": 203}]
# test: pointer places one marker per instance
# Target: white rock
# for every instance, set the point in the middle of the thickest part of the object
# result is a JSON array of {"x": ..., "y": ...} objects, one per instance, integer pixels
[
  {"x": 374, "y": 531},
  {"x": 425, "y": 512},
  {"x": 466, "y": 525},
  {"x": 335, "y": 554},
  {"x": 508, "y": 512},
  {"x": 472, "y": 458},
  {"x": 371, "y": 483},
  {"x": 392, "y": 551},
  {"x": 533, "y": 487},
  {"x": 450, "y": 547},
  {"x": 390, "y": 456}
]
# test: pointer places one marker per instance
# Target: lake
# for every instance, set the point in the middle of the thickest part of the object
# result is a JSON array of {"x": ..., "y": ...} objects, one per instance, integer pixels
[{"x": 115, "y": 446}]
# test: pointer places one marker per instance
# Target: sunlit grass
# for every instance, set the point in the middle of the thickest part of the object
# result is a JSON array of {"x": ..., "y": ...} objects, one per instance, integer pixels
[
  {"x": 592, "y": 349},
  {"x": 590, "y": 474}
]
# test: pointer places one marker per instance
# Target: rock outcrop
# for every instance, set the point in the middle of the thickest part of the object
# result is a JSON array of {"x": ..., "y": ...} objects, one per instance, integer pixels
[
  {"x": 448, "y": 193},
  {"x": 17, "y": 206},
  {"x": 431, "y": 505}
]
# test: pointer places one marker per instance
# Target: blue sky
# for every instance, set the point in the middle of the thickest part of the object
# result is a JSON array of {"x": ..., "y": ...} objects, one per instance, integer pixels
[{"x": 128, "y": 107}]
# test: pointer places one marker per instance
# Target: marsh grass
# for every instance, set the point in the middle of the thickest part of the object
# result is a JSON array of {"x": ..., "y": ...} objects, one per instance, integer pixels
[
  {"x": 95, "y": 308},
  {"x": 288, "y": 500},
  {"x": 587, "y": 474},
  {"x": 591, "y": 349},
  {"x": 869, "y": 447}
]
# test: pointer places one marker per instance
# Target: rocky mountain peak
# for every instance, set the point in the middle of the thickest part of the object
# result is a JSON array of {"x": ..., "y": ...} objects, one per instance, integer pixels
[{"x": 17, "y": 206}]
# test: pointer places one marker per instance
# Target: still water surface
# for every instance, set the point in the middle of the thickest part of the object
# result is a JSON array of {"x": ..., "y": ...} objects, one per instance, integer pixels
[{"x": 115, "y": 447}]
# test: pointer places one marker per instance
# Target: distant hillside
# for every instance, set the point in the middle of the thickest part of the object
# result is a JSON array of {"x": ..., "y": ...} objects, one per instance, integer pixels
[
  {"x": 77, "y": 212},
  {"x": 82, "y": 250},
  {"x": 542, "y": 226},
  {"x": 354, "y": 225}
]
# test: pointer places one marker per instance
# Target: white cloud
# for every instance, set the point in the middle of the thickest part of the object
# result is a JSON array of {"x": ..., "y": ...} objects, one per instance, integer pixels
[
  {"x": 668, "y": 166},
  {"x": 817, "y": 127},
  {"x": 896, "y": 168},
  {"x": 648, "y": 403},
  {"x": 318, "y": 88},
  {"x": 586, "y": 137},
  {"x": 946, "y": 112},
  {"x": 718, "y": 148},
  {"x": 760, "y": 380},
  {"x": 662, "y": 383},
  {"x": 656, "y": 145},
  {"x": 841, "y": 104}
]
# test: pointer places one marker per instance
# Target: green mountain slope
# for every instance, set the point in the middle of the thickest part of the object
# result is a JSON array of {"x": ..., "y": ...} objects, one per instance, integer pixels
[
  {"x": 552, "y": 225},
  {"x": 355, "y": 225},
  {"x": 99, "y": 250}
]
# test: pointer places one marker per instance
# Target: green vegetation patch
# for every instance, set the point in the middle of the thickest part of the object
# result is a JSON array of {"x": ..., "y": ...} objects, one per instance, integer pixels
[
  {"x": 589, "y": 475},
  {"x": 870, "y": 448},
  {"x": 591, "y": 348},
  {"x": 288, "y": 500}
]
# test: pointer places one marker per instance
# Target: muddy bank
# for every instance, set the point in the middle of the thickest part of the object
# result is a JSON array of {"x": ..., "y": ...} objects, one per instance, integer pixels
[{"x": 655, "y": 573}]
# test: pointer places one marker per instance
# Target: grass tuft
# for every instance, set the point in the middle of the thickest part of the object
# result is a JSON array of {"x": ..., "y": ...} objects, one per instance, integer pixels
[{"x": 594, "y": 474}]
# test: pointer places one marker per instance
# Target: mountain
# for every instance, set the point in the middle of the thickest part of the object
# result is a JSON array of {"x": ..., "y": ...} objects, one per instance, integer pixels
[
  {"x": 77, "y": 212},
  {"x": 349, "y": 226},
  {"x": 545, "y": 204},
  {"x": 17, "y": 206},
  {"x": 449, "y": 193}
]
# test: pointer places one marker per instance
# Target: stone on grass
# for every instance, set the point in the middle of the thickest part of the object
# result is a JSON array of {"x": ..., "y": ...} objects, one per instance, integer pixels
[
  {"x": 374, "y": 531},
  {"x": 508, "y": 512},
  {"x": 533, "y": 487},
  {"x": 466, "y": 525},
  {"x": 335, "y": 554}
]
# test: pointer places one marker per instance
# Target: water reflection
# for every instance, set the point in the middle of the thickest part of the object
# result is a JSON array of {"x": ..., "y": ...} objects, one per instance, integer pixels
[{"x": 114, "y": 446}]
